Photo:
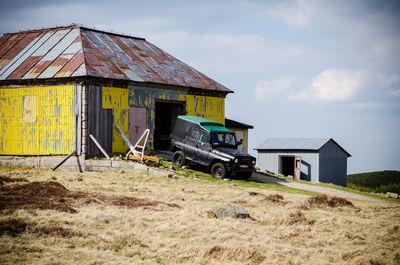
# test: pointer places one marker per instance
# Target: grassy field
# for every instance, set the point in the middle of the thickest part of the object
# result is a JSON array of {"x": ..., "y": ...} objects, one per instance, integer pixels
[
  {"x": 378, "y": 181},
  {"x": 131, "y": 217}
]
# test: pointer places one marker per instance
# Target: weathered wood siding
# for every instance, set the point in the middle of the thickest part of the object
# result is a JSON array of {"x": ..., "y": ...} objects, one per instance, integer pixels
[
  {"x": 100, "y": 122},
  {"x": 37, "y": 120}
]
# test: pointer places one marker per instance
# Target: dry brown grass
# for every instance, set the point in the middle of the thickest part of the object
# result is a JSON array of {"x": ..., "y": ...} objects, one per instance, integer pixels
[
  {"x": 224, "y": 253},
  {"x": 127, "y": 217}
]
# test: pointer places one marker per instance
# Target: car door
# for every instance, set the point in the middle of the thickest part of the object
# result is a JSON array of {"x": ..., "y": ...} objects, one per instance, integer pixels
[
  {"x": 203, "y": 147},
  {"x": 190, "y": 143}
]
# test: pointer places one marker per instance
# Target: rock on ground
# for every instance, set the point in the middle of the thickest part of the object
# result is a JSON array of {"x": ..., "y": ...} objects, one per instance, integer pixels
[{"x": 230, "y": 211}]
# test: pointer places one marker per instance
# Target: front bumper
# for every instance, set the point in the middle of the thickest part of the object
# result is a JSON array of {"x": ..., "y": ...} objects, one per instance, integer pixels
[{"x": 238, "y": 168}]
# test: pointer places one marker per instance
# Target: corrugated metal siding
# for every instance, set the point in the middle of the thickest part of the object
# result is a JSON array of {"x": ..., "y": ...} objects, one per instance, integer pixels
[
  {"x": 116, "y": 99},
  {"x": 36, "y": 120},
  {"x": 56, "y": 52},
  {"x": 100, "y": 123},
  {"x": 333, "y": 164},
  {"x": 212, "y": 108}
]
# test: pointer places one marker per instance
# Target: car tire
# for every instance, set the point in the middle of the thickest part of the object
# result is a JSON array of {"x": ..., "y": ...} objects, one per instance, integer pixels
[
  {"x": 218, "y": 171},
  {"x": 178, "y": 158}
]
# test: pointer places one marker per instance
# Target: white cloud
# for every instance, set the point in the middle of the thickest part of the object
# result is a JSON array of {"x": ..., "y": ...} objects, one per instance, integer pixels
[
  {"x": 227, "y": 54},
  {"x": 393, "y": 79},
  {"x": 269, "y": 89},
  {"x": 365, "y": 106},
  {"x": 395, "y": 92},
  {"x": 332, "y": 85},
  {"x": 298, "y": 14}
]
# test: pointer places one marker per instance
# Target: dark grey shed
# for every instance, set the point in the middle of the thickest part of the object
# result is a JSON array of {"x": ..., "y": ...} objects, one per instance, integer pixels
[{"x": 319, "y": 159}]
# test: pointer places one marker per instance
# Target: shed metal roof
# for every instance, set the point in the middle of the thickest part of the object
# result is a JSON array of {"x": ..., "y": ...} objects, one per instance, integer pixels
[
  {"x": 80, "y": 51},
  {"x": 235, "y": 124},
  {"x": 311, "y": 144}
]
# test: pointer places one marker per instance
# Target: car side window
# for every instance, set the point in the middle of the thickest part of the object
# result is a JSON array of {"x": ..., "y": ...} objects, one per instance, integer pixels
[
  {"x": 193, "y": 134},
  {"x": 204, "y": 137}
]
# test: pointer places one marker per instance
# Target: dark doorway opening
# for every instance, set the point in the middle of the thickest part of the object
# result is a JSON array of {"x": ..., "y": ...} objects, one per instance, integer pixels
[
  {"x": 165, "y": 118},
  {"x": 286, "y": 165}
]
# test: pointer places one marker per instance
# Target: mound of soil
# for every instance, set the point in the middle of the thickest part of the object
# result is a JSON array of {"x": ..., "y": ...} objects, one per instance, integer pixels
[
  {"x": 324, "y": 200},
  {"x": 56, "y": 230},
  {"x": 51, "y": 195},
  {"x": 277, "y": 198},
  {"x": 5, "y": 179},
  {"x": 237, "y": 254},
  {"x": 45, "y": 195},
  {"x": 14, "y": 226}
]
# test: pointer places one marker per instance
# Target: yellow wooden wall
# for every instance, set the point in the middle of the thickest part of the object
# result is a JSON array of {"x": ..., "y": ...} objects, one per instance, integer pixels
[
  {"x": 212, "y": 108},
  {"x": 116, "y": 98},
  {"x": 36, "y": 120}
]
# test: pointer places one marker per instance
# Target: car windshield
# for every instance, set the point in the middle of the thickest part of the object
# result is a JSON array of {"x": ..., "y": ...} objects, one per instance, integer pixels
[{"x": 223, "y": 139}]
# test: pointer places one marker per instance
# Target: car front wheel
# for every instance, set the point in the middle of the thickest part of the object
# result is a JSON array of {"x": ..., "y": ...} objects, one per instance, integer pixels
[
  {"x": 178, "y": 158},
  {"x": 218, "y": 171}
]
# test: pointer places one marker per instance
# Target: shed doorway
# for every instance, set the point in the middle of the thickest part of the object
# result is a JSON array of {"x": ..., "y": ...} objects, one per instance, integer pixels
[
  {"x": 286, "y": 165},
  {"x": 166, "y": 113}
]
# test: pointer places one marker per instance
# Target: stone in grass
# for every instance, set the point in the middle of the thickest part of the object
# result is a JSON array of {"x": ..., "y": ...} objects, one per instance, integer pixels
[
  {"x": 107, "y": 218},
  {"x": 392, "y": 195},
  {"x": 230, "y": 211}
]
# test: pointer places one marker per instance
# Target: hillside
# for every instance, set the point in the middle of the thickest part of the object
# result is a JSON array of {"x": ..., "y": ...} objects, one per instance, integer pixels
[
  {"x": 378, "y": 181},
  {"x": 136, "y": 217}
]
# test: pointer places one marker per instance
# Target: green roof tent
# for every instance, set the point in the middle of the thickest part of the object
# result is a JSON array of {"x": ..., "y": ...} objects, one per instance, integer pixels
[
  {"x": 184, "y": 123},
  {"x": 208, "y": 125}
]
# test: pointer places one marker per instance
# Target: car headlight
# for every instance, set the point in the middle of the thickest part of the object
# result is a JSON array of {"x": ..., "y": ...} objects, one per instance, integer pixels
[{"x": 236, "y": 161}]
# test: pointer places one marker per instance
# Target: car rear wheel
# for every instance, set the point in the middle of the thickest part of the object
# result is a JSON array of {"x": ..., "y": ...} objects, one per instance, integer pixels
[
  {"x": 178, "y": 158},
  {"x": 218, "y": 171}
]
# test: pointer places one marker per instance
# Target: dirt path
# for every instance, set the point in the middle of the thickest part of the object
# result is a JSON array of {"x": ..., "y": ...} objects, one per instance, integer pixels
[{"x": 328, "y": 191}]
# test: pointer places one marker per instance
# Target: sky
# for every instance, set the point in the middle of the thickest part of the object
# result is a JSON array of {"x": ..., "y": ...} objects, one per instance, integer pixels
[{"x": 324, "y": 69}]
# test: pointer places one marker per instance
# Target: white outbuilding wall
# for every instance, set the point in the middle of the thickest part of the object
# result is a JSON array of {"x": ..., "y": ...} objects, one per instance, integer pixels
[{"x": 269, "y": 160}]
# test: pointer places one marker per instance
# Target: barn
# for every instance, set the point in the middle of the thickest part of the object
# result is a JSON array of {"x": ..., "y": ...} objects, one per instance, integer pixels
[
  {"x": 242, "y": 133},
  {"x": 59, "y": 85},
  {"x": 312, "y": 159}
]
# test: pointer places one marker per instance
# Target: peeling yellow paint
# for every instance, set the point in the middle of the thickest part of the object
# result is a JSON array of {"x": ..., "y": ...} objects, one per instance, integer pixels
[
  {"x": 212, "y": 108},
  {"x": 36, "y": 120},
  {"x": 28, "y": 109},
  {"x": 116, "y": 98}
]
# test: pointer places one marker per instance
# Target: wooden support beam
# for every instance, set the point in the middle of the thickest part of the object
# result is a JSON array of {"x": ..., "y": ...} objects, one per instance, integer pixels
[
  {"x": 63, "y": 161},
  {"x": 99, "y": 146}
]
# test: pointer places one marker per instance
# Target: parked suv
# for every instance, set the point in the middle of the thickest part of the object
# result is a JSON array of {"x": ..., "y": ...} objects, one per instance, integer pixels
[{"x": 209, "y": 143}]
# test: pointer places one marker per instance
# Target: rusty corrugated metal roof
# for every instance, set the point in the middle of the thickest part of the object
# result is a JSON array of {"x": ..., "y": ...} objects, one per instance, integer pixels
[{"x": 79, "y": 51}]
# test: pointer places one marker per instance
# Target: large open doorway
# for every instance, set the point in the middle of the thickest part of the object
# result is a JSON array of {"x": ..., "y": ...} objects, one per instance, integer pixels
[
  {"x": 286, "y": 165},
  {"x": 166, "y": 113}
]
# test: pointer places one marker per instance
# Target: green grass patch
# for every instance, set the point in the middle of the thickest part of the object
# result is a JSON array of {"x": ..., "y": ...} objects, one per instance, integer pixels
[{"x": 378, "y": 181}]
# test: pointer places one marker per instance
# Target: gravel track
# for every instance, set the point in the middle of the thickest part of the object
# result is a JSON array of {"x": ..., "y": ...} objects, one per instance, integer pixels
[{"x": 328, "y": 191}]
